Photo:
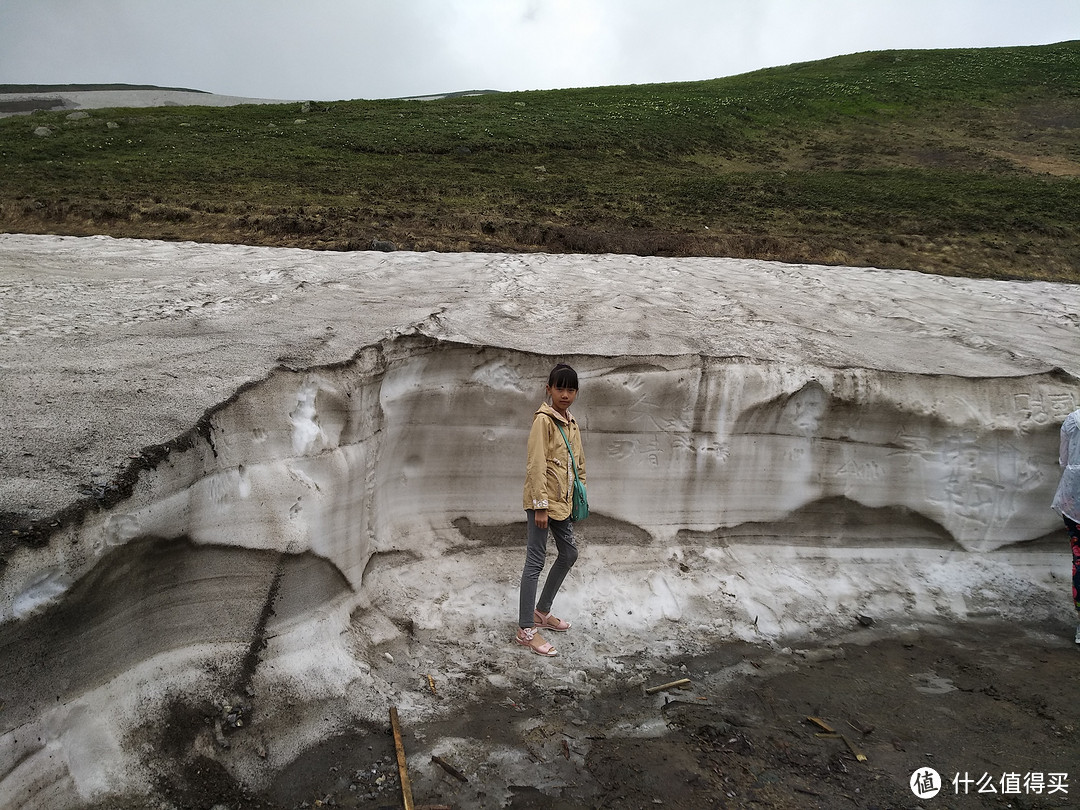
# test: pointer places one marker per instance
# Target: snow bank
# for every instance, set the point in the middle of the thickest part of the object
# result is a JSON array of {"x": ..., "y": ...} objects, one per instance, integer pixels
[{"x": 339, "y": 511}]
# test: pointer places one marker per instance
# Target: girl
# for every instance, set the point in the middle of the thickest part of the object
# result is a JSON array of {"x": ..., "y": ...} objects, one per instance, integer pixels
[{"x": 549, "y": 483}]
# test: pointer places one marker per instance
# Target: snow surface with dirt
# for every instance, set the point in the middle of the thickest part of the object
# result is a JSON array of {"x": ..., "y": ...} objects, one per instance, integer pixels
[
  {"x": 71, "y": 98},
  {"x": 289, "y": 481}
]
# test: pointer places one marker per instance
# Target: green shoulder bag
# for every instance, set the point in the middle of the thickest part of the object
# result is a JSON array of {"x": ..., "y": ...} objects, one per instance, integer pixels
[{"x": 579, "y": 508}]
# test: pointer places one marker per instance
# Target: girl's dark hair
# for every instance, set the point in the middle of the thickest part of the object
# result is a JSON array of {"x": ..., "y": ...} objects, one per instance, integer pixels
[{"x": 562, "y": 376}]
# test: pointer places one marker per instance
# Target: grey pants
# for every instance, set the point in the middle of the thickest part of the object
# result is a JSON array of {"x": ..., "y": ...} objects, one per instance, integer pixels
[{"x": 535, "y": 555}]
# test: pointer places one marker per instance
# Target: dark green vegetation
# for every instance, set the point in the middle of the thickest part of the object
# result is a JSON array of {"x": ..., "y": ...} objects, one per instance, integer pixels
[{"x": 965, "y": 162}]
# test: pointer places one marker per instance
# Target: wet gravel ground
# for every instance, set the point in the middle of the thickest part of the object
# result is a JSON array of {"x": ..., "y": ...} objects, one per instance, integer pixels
[{"x": 989, "y": 706}]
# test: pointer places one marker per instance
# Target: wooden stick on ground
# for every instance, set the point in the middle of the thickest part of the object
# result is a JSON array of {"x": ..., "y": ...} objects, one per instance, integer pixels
[
  {"x": 403, "y": 771},
  {"x": 450, "y": 769},
  {"x": 652, "y": 690},
  {"x": 859, "y": 755},
  {"x": 821, "y": 724}
]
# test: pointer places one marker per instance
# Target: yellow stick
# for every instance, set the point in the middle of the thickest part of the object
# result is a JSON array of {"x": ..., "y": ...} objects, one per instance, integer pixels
[
  {"x": 654, "y": 689},
  {"x": 403, "y": 771},
  {"x": 859, "y": 755},
  {"x": 821, "y": 723}
]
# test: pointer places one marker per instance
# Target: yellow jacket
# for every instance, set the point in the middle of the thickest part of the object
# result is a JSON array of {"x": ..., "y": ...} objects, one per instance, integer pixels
[{"x": 549, "y": 476}]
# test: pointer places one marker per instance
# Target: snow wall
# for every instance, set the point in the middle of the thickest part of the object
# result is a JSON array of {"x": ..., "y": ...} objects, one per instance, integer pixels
[{"x": 263, "y": 557}]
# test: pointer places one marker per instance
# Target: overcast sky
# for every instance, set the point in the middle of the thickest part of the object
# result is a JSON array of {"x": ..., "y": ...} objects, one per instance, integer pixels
[{"x": 343, "y": 49}]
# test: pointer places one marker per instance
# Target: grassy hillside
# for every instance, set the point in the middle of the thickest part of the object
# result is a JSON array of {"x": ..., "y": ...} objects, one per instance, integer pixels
[{"x": 962, "y": 162}]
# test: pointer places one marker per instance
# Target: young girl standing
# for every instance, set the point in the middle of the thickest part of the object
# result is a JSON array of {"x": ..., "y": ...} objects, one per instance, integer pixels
[{"x": 549, "y": 484}]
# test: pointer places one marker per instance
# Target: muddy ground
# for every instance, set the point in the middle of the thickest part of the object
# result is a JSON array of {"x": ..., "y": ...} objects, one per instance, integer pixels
[{"x": 983, "y": 700}]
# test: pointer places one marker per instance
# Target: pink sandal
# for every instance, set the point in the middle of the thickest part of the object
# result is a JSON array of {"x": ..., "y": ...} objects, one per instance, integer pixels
[
  {"x": 528, "y": 637},
  {"x": 549, "y": 622}
]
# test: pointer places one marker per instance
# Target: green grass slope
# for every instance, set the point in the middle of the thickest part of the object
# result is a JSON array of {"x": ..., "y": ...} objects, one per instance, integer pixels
[{"x": 964, "y": 162}]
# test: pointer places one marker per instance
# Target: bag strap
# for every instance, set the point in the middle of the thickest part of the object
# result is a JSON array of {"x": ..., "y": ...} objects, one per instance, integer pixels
[{"x": 568, "y": 448}]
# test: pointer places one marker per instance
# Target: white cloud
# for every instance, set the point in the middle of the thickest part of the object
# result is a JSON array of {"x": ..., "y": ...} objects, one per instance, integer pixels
[{"x": 331, "y": 49}]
